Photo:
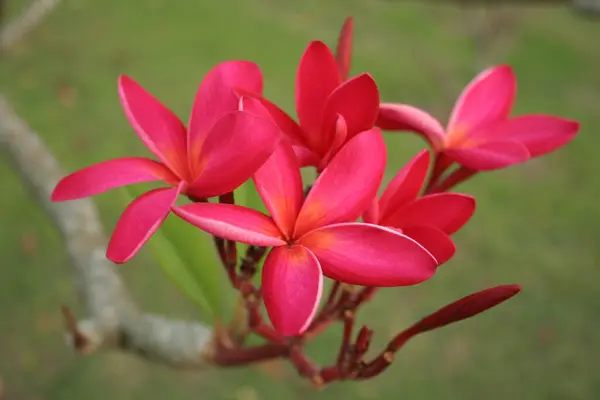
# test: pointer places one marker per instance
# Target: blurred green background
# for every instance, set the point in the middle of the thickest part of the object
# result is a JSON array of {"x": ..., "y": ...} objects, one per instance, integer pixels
[{"x": 536, "y": 224}]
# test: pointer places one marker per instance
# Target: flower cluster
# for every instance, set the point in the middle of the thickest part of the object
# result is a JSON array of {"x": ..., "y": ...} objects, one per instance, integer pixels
[{"x": 337, "y": 227}]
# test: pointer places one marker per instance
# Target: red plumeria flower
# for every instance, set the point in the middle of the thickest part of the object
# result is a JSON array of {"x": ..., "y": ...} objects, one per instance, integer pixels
[
  {"x": 220, "y": 150},
  {"x": 429, "y": 219},
  {"x": 480, "y": 134},
  {"x": 330, "y": 111},
  {"x": 315, "y": 236}
]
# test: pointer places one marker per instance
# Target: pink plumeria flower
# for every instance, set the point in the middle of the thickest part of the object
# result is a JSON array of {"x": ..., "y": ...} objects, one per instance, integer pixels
[
  {"x": 220, "y": 150},
  {"x": 480, "y": 134},
  {"x": 315, "y": 236},
  {"x": 429, "y": 219},
  {"x": 330, "y": 111}
]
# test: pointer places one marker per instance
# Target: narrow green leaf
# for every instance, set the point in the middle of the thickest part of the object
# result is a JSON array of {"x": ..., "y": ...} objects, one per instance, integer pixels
[
  {"x": 196, "y": 250},
  {"x": 167, "y": 257},
  {"x": 187, "y": 256}
]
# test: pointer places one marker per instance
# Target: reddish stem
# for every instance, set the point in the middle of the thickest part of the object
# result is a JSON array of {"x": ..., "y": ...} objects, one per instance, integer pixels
[
  {"x": 335, "y": 288},
  {"x": 440, "y": 164},
  {"x": 346, "y": 349},
  {"x": 250, "y": 261},
  {"x": 363, "y": 342},
  {"x": 329, "y": 374},
  {"x": 305, "y": 366},
  {"x": 231, "y": 357},
  {"x": 459, "y": 175},
  {"x": 386, "y": 358}
]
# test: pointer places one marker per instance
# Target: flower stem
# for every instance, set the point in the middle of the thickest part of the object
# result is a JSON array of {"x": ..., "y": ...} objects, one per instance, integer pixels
[{"x": 459, "y": 175}]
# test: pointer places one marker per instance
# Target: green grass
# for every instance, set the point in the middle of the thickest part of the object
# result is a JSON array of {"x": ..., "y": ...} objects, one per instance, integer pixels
[{"x": 536, "y": 224}]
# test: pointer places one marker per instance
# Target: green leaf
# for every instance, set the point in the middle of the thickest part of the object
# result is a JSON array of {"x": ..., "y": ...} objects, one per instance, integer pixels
[
  {"x": 187, "y": 256},
  {"x": 167, "y": 257},
  {"x": 196, "y": 250}
]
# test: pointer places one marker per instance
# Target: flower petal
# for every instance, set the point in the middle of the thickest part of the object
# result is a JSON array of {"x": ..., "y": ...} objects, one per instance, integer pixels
[
  {"x": 406, "y": 185},
  {"x": 99, "y": 178},
  {"x": 487, "y": 98},
  {"x": 434, "y": 240},
  {"x": 235, "y": 148},
  {"x": 541, "y": 134},
  {"x": 357, "y": 100},
  {"x": 279, "y": 184},
  {"x": 305, "y": 157},
  {"x": 369, "y": 255},
  {"x": 402, "y": 117},
  {"x": 371, "y": 215},
  {"x": 160, "y": 130},
  {"x": 490, "y": 156},
  {"x": 343, "y": 53},
  {"x": 447, "y": 212},
  {"x": 466, "y": 307},
  {"x": 339, "y": 137},
  {"x": 347, "y": 186},
  {"x": 216, "y": 97},
  {"x": 258, "y": 105},
  {"x": 292, "y": 284},
  {"x": 139, "y": 221},
  {"x": 316, "y": 78},
  {"x": 232, "y": 222}
]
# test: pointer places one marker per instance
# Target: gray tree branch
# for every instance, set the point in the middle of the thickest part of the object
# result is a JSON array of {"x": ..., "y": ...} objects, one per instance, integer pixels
[
  {"x": 113, "y": 319},
  {"x": 29, "y": 19}
]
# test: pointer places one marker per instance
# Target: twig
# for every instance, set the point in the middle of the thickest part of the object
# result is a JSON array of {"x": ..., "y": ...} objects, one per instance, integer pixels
[{"x": 13, "y": 32}]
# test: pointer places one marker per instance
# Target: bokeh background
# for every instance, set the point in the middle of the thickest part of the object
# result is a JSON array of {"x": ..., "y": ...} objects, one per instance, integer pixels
[{"x": 536, "y": 224}]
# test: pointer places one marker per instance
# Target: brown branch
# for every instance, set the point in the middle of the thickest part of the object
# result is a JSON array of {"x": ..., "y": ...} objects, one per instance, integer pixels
[{"x": 113, "y": 319}]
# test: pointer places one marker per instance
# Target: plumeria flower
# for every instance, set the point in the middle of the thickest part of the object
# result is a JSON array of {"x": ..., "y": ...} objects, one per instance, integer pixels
[
  {"x": 429, "y": 219},
  {"x": 330, "y": 111},
  {"x": 316, "y": 235},
  {"x": 221, "y": 148},
  {"x": 480, "y": 134}
]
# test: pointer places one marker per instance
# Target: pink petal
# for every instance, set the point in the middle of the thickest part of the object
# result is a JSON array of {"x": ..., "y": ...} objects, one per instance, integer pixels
[
  {"x": 406, "y": 185},
  {"x": 487, "y": 98},
  {"x": 343, "y": 54},
  {"x": 139, "y": 221},
  {"x": 292, "y": 284},
  {"x": 369, "y": 255},
  {"x": 347, "y": 186},
  {"x": 357, "y": 100},
  {"x": 466, "y": 307},
  {"x": 235, "y": 148},
  {"x": 258, "y": 105},
  {"x": 99, "y": 178},
  {"x": 232, "y": 222},
  {"x": 541, "y": 134},
  {"x": 371, "y": 215},
  {"x": 160, "y": 130},
  {"x": 306, "y": 157},
  {"x": 316, "y": 78},
  {"x": 490, "y": 156},
  {"x": 339, "y": 136},
  {"x": 434, "y": 240},
  {"x": 279, "y": 184},
  {"x": 447, "y": 212},
  {"x": 402, "y": 117},
  {"x": 216, "y": 97}
]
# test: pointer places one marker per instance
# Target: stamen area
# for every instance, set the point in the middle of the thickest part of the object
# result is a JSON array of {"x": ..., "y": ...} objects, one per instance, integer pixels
[{"x": 457, "y": 137}]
